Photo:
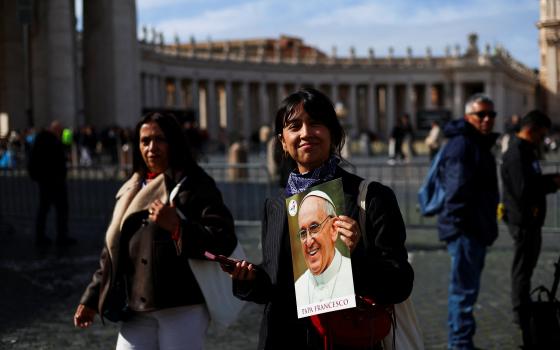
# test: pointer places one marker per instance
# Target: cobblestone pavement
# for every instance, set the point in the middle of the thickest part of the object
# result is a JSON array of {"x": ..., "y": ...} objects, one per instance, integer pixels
[{"x": 40, "y": 289}]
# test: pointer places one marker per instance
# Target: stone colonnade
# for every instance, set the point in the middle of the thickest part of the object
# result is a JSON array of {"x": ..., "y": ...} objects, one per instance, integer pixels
[
  {"x": 239, "y": 107},
  {"x": 105, "y": 76}
]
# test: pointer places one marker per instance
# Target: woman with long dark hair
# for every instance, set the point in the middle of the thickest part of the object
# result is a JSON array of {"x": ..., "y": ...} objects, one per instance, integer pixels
[
  {"x": 310, "y": 133},
  {"x": 169, "y": 211}
]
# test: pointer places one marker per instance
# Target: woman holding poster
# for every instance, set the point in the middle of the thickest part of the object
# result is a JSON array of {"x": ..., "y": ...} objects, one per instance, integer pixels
[{"x": 315, "y": 248}]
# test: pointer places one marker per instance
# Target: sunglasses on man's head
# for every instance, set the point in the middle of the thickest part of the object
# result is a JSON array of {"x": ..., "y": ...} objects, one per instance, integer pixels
[{"x": 482, "y": 114}]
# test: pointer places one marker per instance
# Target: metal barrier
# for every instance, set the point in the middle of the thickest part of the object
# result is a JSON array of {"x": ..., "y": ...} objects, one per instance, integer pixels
[
  {"x": 244, "y": 188},
  {"x": 405, "y": 180},
  {"x": 552, "y": 221},
  {"x": 91, "y": 191}
]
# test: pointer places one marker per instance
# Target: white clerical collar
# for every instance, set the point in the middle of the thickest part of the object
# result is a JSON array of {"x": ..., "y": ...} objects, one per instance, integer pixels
[{"x": 331, "y": 271}]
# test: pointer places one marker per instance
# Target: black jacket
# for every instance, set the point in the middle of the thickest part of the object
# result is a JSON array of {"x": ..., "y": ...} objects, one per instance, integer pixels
[
  {"x": 381, "y": 271},
  {"x": 524, "y": 185},
  {"x": 47, "y": 161}
]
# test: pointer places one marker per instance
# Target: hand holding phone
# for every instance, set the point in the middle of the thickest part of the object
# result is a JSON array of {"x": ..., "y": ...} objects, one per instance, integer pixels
[
  {"x": 244, "y": 271},
  {"x": 228, "y": 265}
]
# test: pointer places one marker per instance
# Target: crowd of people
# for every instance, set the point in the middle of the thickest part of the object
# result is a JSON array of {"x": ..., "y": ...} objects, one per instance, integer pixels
[
  {"x": 87, "y": 146},
  {"x": 84, "y": 146},
  {"x": 170, "y": 211}
]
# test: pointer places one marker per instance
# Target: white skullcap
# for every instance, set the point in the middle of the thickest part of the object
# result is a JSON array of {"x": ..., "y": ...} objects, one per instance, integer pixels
[{"x": 320, "y": 194}]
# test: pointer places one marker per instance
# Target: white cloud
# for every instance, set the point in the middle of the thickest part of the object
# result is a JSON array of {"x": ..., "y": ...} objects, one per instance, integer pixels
[
  {"x": 237, "y": 21},
  {"x": 405, "y": 13},
  {"x": 143, "y": 5},
  {"x": 400, "y": 24},
  {"x": 362, "y": 24}
]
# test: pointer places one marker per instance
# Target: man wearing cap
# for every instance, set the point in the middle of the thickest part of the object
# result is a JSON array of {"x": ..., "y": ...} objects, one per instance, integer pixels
[
  {"x": 525, "y": 188},
  {"x": 467, "y": 222},
  {"x": 329, "y": 273}
]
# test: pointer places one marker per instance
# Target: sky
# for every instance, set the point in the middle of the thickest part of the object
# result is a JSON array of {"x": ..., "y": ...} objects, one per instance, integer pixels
[{"x": 363, "y": 24}]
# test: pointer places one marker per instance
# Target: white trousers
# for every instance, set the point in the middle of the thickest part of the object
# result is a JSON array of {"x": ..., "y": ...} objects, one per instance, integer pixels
[{"x": 168, "y": 329}]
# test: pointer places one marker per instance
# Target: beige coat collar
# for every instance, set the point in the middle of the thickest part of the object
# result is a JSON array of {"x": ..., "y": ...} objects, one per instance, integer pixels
[{"x": 132, "y": 198}]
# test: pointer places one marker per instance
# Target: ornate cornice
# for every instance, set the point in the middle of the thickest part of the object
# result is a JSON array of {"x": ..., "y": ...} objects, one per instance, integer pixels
[{"x": 550, "y": 23}]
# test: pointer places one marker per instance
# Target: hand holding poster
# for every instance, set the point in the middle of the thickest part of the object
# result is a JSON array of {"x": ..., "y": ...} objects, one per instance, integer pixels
[{"x": 321, "y": 261}]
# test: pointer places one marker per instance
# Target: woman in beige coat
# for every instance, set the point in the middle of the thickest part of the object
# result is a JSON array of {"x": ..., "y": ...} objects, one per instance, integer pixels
[{"x": 144, "y": 279}]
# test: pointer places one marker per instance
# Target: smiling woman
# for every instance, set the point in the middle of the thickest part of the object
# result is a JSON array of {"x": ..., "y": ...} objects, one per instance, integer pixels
[
  {"x": 306, "y": 140},
  {"x": 310, "y": 133}
]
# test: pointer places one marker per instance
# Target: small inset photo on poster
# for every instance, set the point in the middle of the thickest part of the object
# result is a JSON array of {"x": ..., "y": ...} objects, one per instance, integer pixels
[{"x": 321, "y": 261}]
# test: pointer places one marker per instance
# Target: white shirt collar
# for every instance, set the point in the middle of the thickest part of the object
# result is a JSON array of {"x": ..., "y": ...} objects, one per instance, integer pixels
[{"x": 330, "y": 272}]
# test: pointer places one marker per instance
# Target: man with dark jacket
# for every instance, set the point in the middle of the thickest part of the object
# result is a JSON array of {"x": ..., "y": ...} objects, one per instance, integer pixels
[
  {"x": 47, "y": 166},
  {"x": 524, "y": 190},
  {"x": 467, "y": 222}
]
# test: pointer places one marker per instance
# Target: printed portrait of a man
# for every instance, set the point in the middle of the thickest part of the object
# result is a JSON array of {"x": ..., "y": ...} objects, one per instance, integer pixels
[{"x": 327, "y": 272}]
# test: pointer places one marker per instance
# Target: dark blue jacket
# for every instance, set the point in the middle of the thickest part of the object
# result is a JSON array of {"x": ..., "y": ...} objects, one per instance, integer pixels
[{"x": 468, "y": 175}]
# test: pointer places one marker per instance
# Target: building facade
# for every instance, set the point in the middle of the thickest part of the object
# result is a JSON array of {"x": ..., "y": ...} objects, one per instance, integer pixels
[
  {"x": 236, "y": 87},
  {"x": 549, "y": 44},
  {"x": 106, "y": 76}
]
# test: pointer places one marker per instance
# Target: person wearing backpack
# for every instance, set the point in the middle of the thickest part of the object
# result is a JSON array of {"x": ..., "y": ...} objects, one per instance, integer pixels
[
  {"x": 524, "y": 189},
  {"x": 467, "y": 221}
]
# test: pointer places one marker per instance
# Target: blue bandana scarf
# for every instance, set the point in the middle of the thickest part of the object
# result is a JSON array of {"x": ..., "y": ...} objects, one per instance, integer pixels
[{"x": 300, "y": 182}]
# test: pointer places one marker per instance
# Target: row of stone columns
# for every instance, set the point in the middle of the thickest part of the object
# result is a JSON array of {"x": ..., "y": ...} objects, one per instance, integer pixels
[
  {"x": 111, "y": 62},
  {"x": 48, "y": 78},
  {"x": 155, "y": 90},
  {"x": 38, "y": 68}
]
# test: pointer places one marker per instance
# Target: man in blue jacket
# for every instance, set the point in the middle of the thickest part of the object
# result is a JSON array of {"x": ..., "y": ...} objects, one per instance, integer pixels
[
  {"x": 525, "y": 188},
  {"x": 467, "y": 222}
]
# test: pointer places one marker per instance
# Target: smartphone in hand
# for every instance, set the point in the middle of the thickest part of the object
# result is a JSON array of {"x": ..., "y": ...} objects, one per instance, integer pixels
[{"x": 227, "y": 264}]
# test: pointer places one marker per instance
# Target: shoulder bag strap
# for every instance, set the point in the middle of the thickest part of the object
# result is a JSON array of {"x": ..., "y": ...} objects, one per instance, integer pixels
[{"x": 362, "y": 208}]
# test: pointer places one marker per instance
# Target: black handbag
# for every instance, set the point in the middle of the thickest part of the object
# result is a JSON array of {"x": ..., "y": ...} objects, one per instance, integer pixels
[{"x": 543, "y": 327}]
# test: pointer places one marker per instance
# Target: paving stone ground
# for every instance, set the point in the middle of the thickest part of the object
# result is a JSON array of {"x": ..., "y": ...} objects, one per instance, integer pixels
[{"x": 39, "y": 290}]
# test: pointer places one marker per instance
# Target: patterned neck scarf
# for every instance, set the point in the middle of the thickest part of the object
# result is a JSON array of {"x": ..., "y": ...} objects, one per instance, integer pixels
[{"x": 300, "y": 182}]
